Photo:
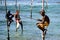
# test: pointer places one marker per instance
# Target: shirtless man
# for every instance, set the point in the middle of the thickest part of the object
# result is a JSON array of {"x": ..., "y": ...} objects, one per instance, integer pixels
[
  {"x": 18, "y": 20},
  {"x": 44, "y": 22}
]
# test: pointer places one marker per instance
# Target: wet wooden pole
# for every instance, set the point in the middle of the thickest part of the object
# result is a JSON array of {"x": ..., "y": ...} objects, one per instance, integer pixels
[
  {"x": 1, "y": 1},
  {"x": 43, "y": 35},
  {"x": 19, "y": 8},
  {"x": 16, "y": 5},
  {"x": 8, "y": 33},
  {"x": 5, "y": 6},
  {"x": 47, "y": 3},
  {"x": 43, "y": 32},
  {"x": 31, "y": 8},
  {"x": 7, "y": 22},
  {"x": 42, "y": 4}
]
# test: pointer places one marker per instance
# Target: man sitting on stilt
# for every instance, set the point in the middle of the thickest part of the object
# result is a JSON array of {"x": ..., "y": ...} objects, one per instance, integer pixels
[
  {"x": 44, "y": 22},
  {"x": 18, "y": 20},
  {"x": 9, "y": 17}
]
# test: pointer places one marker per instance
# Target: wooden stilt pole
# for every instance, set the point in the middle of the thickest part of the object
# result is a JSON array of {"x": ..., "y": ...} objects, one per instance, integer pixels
[
  {"x": 47, "y": 3},
  {"x": 5, "y": 6},
  {"x": 16, "y": 5},
  {"x": 7, "y": 22},
  {"x": 43, "y": 35},
  {"x": 42, "y": 4},
  {"x": 1, "y": 1},
  {"x": 8, "y": 33},
  {"x": 19, "y": 8},
  {"x": 31, "y": 8},
  {"x": 43, "y": 32}
]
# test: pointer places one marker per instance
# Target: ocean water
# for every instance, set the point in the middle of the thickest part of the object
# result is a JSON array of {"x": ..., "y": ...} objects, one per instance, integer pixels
[{"x": 30, "y": 31}]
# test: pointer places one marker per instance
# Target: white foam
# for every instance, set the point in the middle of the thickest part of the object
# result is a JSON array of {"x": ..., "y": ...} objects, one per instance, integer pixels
[{"x": 9, "y": 3}]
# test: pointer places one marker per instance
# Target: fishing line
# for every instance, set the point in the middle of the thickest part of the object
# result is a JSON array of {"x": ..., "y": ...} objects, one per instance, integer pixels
[{"x": 28, "y": 17}]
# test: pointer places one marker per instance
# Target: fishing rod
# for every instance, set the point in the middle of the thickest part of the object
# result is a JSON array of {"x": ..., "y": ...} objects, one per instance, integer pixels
[
  {"x": 29, "y": 17},
  {"x": 7, "y": 21}
]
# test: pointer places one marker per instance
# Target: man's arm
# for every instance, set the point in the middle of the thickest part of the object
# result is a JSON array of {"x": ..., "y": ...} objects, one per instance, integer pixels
[
  {"x": 39, "y": 20},
  {"x": 11, "y": 15},
  {"x": 43, "y": 20}
]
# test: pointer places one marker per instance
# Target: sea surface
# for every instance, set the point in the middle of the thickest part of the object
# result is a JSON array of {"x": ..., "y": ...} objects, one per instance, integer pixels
[{"x": 30, "y": 30}]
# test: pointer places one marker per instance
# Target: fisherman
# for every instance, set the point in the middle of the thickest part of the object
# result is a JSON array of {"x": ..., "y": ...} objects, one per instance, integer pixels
[
  {"x": 44, "y": 22},
  {"x": 9, "y": 17},
  {"x": 18, "y": 20}
]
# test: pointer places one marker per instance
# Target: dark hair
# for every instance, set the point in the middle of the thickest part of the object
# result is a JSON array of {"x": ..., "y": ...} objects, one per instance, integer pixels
[
  {"x": 8, "y": 12},
  {"x": 42, "y": 11},
  {"x": 17, "y": 10}
]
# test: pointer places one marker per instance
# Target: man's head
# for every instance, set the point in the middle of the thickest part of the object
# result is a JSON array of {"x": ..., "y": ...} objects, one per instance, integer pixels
[
  {"x": 9, "y": 12},
  {"x": 42, "y": 12},
  {"x": 17, "y": 11}
]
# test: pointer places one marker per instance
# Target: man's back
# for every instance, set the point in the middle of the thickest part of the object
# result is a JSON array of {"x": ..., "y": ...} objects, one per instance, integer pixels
[{"x": 47, "y": 19}]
